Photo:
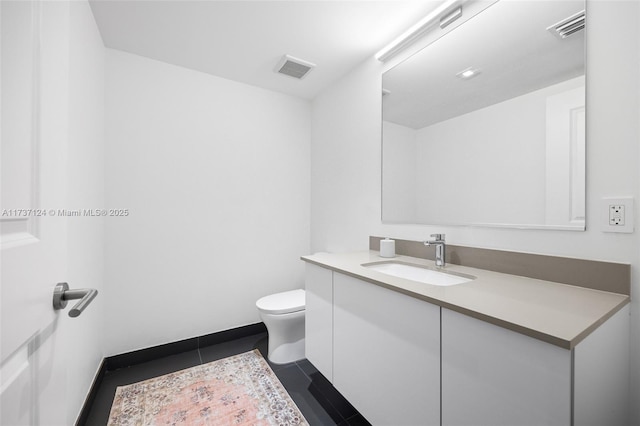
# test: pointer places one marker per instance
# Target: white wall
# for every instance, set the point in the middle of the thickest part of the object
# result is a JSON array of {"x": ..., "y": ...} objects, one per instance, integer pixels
[
  {"x": 346, "y": 162},
  {"x": 215, "y": 175},
  {"x": 399, "y": 173},
  {"x": 84, "y": 343}
]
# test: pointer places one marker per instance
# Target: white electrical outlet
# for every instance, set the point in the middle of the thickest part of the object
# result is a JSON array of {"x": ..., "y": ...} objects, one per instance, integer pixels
[{"x": 617, "y": 214}]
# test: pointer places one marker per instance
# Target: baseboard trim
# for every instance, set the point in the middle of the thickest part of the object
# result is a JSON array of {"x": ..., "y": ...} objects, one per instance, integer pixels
[
  {"x": 91, "y": 396},
  {"x": 139, "y": 356},
  {"x": 148, "y": 354}
]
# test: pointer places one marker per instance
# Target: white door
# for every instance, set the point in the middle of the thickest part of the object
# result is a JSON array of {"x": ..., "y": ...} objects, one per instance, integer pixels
[{"x": 34, "y": 94}]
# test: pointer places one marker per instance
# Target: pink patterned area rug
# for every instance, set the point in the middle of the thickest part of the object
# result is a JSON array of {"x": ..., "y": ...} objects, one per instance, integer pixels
[{"x": 239, "y": 390}]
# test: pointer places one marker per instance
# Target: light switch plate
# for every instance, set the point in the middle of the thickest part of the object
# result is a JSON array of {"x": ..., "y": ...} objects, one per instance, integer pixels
[{"x": 617, "y": 215}]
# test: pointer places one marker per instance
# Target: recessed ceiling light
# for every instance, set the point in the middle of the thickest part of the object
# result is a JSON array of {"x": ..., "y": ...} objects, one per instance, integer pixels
[{"x": 468, "y": 73}]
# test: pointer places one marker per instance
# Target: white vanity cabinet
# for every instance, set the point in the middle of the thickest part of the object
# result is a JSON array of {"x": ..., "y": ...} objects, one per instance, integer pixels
[
  {"x": 492, "y": 376},
  {"x": 386, "y": 353},
  {"x": 403, "y": 361},
  {"x": 319, "y": 318}
]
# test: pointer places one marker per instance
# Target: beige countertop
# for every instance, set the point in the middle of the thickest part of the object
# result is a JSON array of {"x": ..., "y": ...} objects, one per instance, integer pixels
[{"x": 559, "y": 314}]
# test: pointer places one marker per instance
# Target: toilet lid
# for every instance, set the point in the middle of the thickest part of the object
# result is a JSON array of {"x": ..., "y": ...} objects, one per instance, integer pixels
[{"x": 282, "y": 303}]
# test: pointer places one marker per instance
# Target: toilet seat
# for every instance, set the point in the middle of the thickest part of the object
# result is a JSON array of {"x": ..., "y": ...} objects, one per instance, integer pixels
[{"x": 282, "y": 303}]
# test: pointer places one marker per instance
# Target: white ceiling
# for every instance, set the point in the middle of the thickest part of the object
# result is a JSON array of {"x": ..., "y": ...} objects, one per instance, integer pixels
[{"x": 244, "y": 40}]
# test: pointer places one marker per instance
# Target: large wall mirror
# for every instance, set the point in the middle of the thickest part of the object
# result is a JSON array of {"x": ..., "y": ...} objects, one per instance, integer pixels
[{"x": 486, "y": 125}]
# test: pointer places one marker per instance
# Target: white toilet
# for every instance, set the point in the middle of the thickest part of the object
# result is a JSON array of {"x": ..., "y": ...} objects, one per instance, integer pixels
[{"x": 283, "y": 314}]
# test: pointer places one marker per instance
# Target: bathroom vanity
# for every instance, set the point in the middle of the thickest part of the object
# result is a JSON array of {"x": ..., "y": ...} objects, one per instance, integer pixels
[{"x": 499, "y": 349}]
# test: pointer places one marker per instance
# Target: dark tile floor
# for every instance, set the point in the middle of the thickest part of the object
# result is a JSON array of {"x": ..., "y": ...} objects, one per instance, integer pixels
[{"x": 319, "y": 401}]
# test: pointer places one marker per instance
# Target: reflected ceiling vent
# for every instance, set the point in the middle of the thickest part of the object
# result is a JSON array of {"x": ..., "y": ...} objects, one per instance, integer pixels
[
  {"x": 294, "y": 67},
  {"x": 568, "y": 26}
]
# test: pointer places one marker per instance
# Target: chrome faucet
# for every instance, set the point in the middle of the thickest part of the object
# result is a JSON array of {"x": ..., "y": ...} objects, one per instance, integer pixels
[{"x": 440, "y": 248}]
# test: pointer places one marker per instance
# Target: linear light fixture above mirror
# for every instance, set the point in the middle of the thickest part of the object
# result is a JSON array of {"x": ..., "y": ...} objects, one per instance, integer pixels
[{"x": 446, "y": 13}]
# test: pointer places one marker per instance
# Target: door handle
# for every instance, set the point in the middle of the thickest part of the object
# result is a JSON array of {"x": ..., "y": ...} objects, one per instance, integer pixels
[{"x": 62, "y": 294}]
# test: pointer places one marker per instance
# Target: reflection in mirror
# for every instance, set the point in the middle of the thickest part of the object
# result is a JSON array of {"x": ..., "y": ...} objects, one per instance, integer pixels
[{"x": 486, "y": 125}]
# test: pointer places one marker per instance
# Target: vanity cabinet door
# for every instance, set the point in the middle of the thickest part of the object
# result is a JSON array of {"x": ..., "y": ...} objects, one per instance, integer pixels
[
  {"x": 601, "y": 374},
  {"x": 492, "y": 376},
  {"x": 319, "y": 318},
  {"x": 386, "y": 353}
]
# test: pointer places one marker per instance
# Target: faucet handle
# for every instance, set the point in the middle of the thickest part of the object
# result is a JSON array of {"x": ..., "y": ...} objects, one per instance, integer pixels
[{"x": 438, "y": 237}]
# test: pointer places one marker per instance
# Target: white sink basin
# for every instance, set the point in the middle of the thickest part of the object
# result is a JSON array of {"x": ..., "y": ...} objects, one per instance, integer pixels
[{"x": 419, "y": 273}]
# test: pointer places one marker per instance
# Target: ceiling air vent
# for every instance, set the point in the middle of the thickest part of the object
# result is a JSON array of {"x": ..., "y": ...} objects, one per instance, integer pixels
[
  {"x": 294, "y": 67},
  {"x": 568, "y": 26}
]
